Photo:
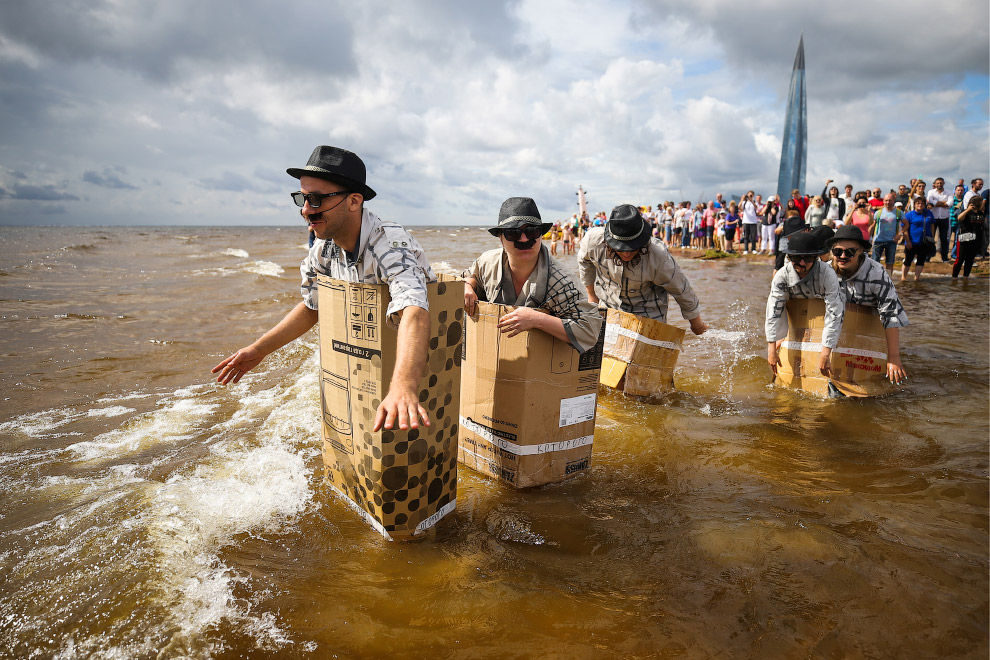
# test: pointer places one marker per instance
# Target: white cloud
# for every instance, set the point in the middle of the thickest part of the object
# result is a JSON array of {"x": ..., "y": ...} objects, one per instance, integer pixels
[{"x": 455, "y": 106}]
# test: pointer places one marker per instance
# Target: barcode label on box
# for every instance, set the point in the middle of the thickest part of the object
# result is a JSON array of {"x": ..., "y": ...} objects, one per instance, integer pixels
[{"x": 577, "y": 409}]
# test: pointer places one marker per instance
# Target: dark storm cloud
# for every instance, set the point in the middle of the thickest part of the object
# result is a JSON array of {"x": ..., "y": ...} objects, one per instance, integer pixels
[
  {"x": 108, "y": 179},
  {"x": 852, "y": 47},
  {"x": 46, "y": 193},
  {"x": 163, "y": 40}
]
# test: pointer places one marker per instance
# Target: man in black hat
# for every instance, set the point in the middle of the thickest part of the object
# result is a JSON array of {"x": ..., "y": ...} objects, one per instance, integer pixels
[
  {"x": 522, "y": 273},
  {"x": 864, "y": 281},
  {"x": 354, "y": 244},
  {"x": 804, "y": 275},
  {"x": 625, "y": 268}
]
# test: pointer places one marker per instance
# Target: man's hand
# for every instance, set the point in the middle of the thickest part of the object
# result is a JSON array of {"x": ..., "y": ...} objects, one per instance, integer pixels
[
  {"x": 825, "y": 363},
  {"x": 401, "y": 406},
  {"x": 238, "y": 364},
  {"x": 470, "y": 299},
  {"x": 698, "y": 326},
  {"x": 772, "y": 358},
  {"x": 519, "y": 320}
]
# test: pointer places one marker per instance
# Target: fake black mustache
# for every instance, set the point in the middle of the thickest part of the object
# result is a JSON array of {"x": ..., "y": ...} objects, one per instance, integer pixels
[{"x": 524, "y": 245}]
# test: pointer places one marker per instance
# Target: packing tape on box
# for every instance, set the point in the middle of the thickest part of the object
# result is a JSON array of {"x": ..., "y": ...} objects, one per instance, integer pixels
[
  {"x": 815, "y": 347},
  {"x": 486, "y": 433},
  {"x": 612, "y": 332},
  {"x": 370, "y": 519}
]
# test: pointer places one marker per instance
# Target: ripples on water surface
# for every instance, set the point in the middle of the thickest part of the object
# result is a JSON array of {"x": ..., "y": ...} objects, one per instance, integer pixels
[{"x": 150, "y": 513}]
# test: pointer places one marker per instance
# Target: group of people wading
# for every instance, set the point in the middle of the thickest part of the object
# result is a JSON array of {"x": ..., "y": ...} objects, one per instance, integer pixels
[{"x": 622, "y": 266}]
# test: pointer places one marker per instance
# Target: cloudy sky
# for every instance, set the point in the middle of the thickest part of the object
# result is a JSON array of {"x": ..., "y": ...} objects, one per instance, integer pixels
[{"x": 189, "y": 111}]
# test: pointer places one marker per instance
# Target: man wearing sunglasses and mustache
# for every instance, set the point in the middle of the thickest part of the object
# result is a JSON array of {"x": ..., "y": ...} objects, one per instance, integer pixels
[
  {"x": 522, "y": 273},
  {"x": 804, "y": 275},
  {"x": 864, "y": 281},
  {"x": 355, "y": 245}
]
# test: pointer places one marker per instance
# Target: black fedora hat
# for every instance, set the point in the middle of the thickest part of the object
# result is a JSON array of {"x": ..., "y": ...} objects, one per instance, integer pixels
[
  {"x": 848, "y": 233},
  {"x": 803, "y": 243},
  {"x": 822, "y": 234},
  {"x": 626, "y": 231},
  {"x": 519, "y": 212},
  {"x": 337, "y": 165}
]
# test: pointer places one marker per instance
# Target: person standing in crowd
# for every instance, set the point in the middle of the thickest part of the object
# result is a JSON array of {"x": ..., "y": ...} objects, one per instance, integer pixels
[
  {"x": 863, "y": 281},
  {"x": 916, "y": 226},
  {"x": 938, "y": 201},
  {"x": 720, "y": 230},
  {"x": 848, "y": 200},
  {"x": 710, "y": 217},
  {"x": 668, "y": 223},
  {"x": 860, "y": 216},
  {"x": 835, "y": 206},
  {"x": 971, "y": 235},
  {"x": 353, "y": 244},
  {"x": 768, "y": 223},
  {"x": 687, "y": 219},
  {"x": 918, "y": 190},
  {"x": 804, "y": 275},
  {"x": 750, "y": 223},
  {"x": 875, "y": 199},
  {"x": 902, "y": 195},
  {"x": 886, "y": 231},
  {"x": 800, "y": 202},
  {"x": 815, "y": 215},
  {"x": 623, "y": 268},
  {"x": 522, "y": 273},
  {"x": 976, "y": 188},
  {"x": 955, "y": 207},
  {"x": 731, "y": 224}
]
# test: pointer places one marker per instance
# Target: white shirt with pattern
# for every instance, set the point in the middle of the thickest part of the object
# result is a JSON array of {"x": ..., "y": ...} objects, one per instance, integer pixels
[
  {"x": 871, "y": 286},
  {"x": 820, "y": 282},
  {"x": 386, "y": 254},
  {"x": 641, "y": 289}
]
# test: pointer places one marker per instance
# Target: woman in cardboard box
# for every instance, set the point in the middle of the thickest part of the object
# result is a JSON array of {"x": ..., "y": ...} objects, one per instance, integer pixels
[
  {"x": 623, "y": 267},
  {"x": 522, "y": 273}
]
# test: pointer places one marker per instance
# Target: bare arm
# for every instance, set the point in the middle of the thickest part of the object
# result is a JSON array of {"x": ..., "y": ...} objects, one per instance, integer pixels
[
  {"x": 895, "y": 372},
  {"x": 592, "y": 296},
  {"x": 401, "y": 405},
  {"x": 295, "y": 324}
]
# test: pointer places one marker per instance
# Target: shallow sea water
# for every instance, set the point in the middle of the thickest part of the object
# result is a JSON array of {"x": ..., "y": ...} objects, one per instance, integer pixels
[{"x": 150, "y": 513}]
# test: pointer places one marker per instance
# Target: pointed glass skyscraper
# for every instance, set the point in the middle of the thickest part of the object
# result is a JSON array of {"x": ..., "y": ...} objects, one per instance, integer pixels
[{"x": 793, "y": 151}]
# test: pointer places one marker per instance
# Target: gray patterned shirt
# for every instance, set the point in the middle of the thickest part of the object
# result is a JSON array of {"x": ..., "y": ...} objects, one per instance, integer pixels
[
  {"x": 641, "y": 289},
  {"x": 386, "y": 254},
  {"x": 872, "y": 286},
  {"x": 820, "y": 282},
  {"x": 548, "y": 287}
]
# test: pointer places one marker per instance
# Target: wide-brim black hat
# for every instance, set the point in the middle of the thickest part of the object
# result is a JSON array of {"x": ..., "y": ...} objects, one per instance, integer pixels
[
  {"x": 803, "y": 243},
  {"x": 823, "y": 234},
  {"x": 337, "y": 165},
  {"x": 519, "y": 212},
  {"x": 848, "y": 233},
  {"x": 626, "y": 230}
]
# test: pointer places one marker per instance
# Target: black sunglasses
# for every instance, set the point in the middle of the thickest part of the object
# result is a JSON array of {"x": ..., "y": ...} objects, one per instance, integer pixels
[
  {"x": 848, "y": 253},
  {"x": 314, "y": 199},
  {"x": 802, "y": 258},
  {"x": 532, "y": 233}
]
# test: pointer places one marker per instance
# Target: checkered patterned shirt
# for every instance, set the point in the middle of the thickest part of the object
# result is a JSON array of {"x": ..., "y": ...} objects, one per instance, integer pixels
[
  {"x": 820, "y": 282},
  {"x": 872, "y": 286},
  {"x": 386, "y": 254},
  {"x": 548, "y": 287},
  {"x": 641, "y": 289}
]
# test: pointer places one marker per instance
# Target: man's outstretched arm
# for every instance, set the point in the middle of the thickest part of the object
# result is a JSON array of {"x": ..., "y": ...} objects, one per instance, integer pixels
[{"x": 295, "y": 324}]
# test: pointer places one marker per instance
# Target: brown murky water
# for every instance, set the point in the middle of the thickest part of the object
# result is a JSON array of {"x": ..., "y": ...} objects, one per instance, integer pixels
[{"x": 149, "y": 513}]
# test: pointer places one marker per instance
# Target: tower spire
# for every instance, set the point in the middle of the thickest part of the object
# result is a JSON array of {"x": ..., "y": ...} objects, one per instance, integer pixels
[{"x": 794, "y": 145}]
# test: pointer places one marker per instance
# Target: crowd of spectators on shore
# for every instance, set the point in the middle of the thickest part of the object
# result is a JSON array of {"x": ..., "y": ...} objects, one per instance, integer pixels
[{"x": 927, "y": 221}]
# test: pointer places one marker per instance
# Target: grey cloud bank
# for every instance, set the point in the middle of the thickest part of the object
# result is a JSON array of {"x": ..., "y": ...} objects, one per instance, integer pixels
[{"x": 190, "y": 112}]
